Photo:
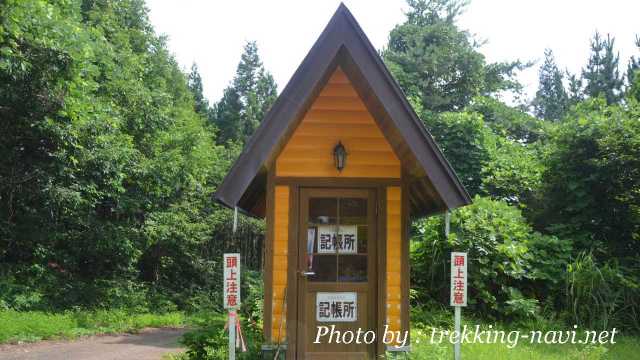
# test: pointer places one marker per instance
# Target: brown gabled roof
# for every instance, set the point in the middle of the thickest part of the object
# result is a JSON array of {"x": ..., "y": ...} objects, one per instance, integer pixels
[{"x": 434, "y": 187}]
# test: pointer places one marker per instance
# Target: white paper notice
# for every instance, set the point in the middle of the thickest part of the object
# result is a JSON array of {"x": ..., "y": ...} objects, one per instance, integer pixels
[
  {"x": 345, "y": 239},
  {"x": 336, "y": 306}
]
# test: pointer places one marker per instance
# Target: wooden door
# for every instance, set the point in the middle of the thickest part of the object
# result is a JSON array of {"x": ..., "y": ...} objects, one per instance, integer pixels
[{"x": 336, "y": 273}]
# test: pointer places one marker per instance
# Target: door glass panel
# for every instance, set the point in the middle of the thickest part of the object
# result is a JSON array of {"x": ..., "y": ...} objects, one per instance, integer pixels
[
  {"x": 352, "y": 268},
  {"x": 337, "y": 236},
  {"x": 353, "y": 219},
  {"x": 323, "y": 221},
  {"x": 363, "y": 234},
  {"x": 353, "y": 211},
  {"x": 323, "y": 211},
  {"x": 324, "y": 267}
]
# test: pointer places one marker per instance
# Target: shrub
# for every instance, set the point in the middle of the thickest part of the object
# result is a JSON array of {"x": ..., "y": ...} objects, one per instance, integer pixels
[
  {"x": 17, "y": 297},
  {"x": 511, "y": 267},
  {"x": 592, "y": 181},
  {"x": 210, "y": 342},
  {"x": 253, "y": 298},
  {"x": 602, "y": 295}
]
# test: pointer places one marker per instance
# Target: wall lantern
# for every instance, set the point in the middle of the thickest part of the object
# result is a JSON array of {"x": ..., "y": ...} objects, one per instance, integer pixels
[{"x": 339, "y": 156}]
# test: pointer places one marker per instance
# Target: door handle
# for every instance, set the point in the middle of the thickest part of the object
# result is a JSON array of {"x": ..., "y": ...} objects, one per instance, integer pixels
[{"x": 306, "y": 273}]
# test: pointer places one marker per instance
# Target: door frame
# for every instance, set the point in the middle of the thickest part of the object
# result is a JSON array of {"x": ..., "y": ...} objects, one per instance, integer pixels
[
  {"x": 305, "y": 194},
  {"x": 295, "y": 184}
]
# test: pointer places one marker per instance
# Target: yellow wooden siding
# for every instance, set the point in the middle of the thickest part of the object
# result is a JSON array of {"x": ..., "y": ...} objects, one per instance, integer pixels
[
  {"x": 338, "y": 114},
  {"x": 394, "y": 258},
  {"x": 280, "y": 256}
]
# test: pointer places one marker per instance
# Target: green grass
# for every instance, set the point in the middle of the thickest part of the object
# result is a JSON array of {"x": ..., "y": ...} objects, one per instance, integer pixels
[
  {"x": 423, "y": 320},
  {"x": 33, "y": 326},
  {"x": 625, "y": 348},
  {"x": 29, "y": 326}
]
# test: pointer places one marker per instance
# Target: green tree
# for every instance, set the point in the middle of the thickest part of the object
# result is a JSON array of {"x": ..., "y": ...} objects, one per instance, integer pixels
[
  {"x": 228, "y": 116},
  {"x": 248, "y": 69},
  {"x": 576, "y": 89},
  {"x": 487, "y": 164},
  {"x": 463, "y": 138},
  {"x": 36, "y": 74},
  {"x": 509, "y": 122},
  {"x": 246, "y": 101},
  {"x": 106, "y": 170},
  {"x": 436, "y": 62},
  {"x": 551, "y": 101},
  {"x": 633, "y": 76},
  {"x": 512, "y": 172},
  {"x": 592, "y": 180},
  {"x": 602, "y": 75},
  {"x": 195, "y": 85}
]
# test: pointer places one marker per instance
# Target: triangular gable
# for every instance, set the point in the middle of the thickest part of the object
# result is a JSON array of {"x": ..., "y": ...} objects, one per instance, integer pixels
[
  {"x": 338, "y": 114},
  {"x": 434, "y": 187}
]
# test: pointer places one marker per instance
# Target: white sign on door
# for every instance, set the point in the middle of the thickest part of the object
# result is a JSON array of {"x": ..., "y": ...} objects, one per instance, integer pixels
[
  {"x": 345, "y": 240},
  {"x": 231, "y": 285},
  {"x": 458, "y": 279},
  {"x": 336, "y": 306}
]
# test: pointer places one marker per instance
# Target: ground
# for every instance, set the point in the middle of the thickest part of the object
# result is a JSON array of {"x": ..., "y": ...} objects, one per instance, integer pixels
[{"x": 149, "y": 344}]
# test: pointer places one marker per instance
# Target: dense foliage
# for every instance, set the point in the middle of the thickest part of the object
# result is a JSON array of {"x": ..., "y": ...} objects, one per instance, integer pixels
[
  {"x": 107, "y": 165},
  {"x": 487, "y": 163},
  {"x": 554, "y": 225},
  {"x": 593, "y": 178}
]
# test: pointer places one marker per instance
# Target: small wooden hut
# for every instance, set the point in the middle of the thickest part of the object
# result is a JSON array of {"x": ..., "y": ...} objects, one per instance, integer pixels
[{"x": 338, "y": 167}]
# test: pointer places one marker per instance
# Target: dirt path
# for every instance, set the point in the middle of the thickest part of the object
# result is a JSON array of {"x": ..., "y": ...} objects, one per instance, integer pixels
[{"x": 149, "y": 344}]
